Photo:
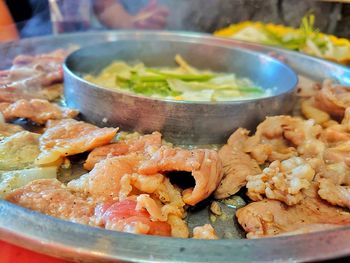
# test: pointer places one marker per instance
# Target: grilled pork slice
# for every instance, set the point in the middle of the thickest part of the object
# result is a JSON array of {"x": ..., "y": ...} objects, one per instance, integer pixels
[
  {"x": 336, "y": 194},
  {"x": 8, "y": 129},
  {"x": 37, "y": 110},
  {"x": 204, "y": 165},
  {"x": 51, "y": 197},
  {"x": 271, "y": 217},
  {"x": 237, "y": 165},
  {"x": 333, "y": 98},
  {"x": 126, "y": 217},
  {"x": 103, "y": 182},
  {"x": 32, "y": 77},
  {"x": 284, "y": 181},
  {"x": 68, "y": 137},
  {"x": 19, "y": 151},
  {"x": 138, "y": 144},
  {"x": 139, "y": 214}
]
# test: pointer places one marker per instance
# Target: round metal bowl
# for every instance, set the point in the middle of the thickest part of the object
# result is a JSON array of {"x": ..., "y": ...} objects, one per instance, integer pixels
[
  {"x": 81, "y": 243},
  {"x": 181, "y": 122}
]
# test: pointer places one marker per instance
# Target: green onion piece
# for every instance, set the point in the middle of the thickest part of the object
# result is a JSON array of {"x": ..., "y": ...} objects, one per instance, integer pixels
[
  {"x": 121, "y": 79},
  {"x": 250, "y": 90},
  {"x": 149, "y": 79},
  {"x": 185, "y": 77}
]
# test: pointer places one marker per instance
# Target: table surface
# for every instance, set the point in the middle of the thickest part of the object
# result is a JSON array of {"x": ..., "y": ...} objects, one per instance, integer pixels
[{"x": 10, "y": 253}]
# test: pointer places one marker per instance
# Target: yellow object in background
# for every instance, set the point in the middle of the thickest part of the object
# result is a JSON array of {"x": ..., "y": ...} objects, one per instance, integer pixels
[
  {"x": 304, "y": 39},
  {"x": 8, "y": 30}
]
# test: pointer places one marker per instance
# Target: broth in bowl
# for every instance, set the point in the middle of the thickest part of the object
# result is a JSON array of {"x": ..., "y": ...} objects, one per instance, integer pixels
[{"x": 176, "y": 83}]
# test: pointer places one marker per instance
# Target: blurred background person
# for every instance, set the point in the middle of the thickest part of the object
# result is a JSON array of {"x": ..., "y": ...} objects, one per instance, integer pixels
[
  {"x": 32, "y": 17},
  {"x": 8, "y": 30},
  {"x": 131, "y": 14}
]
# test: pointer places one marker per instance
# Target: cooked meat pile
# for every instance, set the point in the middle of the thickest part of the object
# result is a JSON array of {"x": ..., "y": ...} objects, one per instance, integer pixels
[
  {"x": 295, "y": 170},
  {"x": 303, "y": 185}
]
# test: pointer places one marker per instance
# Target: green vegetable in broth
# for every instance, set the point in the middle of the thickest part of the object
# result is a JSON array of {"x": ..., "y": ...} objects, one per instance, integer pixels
[{"x": 181, "y": 83}]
